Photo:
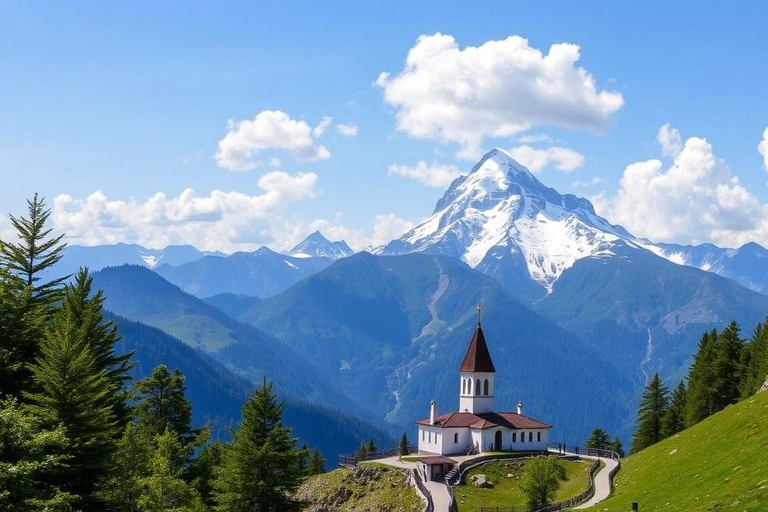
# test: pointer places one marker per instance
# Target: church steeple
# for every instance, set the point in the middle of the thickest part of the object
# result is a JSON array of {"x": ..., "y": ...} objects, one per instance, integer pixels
[{"x": 477, "y": 374}]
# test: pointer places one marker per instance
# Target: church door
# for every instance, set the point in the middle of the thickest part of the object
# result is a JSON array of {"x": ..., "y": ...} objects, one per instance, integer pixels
[{"x": 497, "y": 444}]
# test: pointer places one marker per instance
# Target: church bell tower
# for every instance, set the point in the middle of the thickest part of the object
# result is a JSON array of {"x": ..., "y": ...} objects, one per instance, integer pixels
[{"x": 477, "y": 373}]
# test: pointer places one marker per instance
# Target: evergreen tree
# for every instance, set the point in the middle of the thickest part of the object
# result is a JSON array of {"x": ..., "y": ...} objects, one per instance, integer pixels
[
  {"x": 728, "y": 367},
  {"x": 35, "y": 252},
  {"x": 404, "y": 445},
  {"x": 30, "y": 457},
  {"x": 363, "y": 450},
  {"x": 163, "y": 404},
  {"x": 650, "y": 415},
  {"x": 617, "y": 447},
  {"x": 674, "y": 420},
  {"x": 164, "y": 489},
  {"x": 599, "y": 439},
  {"x": 371, "y": 446},
  {"x": 76, "y": 393},
  {"x": 541, "y": 480},
  {"x": 202, "y": 472},
  {"x": 755, "y": 361},
  {"x": 261, "y": 468},
  {"x": 700, "y": 399},
  {"x": 316, "y": 463},
  {"x": 131, "y": 465}
]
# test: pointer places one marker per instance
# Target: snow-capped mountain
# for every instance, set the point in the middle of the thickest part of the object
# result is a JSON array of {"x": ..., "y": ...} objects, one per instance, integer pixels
[
  {"x": 502, "y": 220},
  {"x": 316, "y": 245}
]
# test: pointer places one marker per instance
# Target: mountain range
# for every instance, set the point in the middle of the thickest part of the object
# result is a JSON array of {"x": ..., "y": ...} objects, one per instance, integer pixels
[{"x": 578, "y": 311}]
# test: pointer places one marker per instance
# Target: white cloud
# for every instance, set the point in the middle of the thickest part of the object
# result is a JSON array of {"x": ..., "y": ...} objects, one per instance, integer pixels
[
  {"x": 387, "y": 227},
  {"x": 591, "y": 183},
  {"x": 319, "y": 130},
  {"x": 762, "y": 147},
  {"x": 435, "y": 175},
  {"x": 535, "y": 160},
  {"x": 670, "y": 141},
  {"x": 347, "y": 130},
  {"x": 696, "y": 199},
  {"x": 498, "y": 89},
  {"x": 275, "y": 162},
  {"x": 225, "y": 221},
  {"x": 534, "y": 138},
  {"x": 270, "y": 129}
]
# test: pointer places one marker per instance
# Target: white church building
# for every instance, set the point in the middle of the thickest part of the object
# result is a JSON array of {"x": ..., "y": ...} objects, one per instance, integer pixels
[{"x": 476, "y": 427}]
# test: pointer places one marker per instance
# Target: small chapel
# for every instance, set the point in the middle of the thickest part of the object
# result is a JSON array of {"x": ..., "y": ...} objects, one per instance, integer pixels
[{"x": 476, "y": 427}]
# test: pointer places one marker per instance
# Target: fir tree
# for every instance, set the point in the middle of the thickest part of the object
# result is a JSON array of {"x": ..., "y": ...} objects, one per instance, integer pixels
[
  {"x": 316, "y": 463},
  {"x": 202, "y": 472},
  {"x": 35, "y": 252},
  {"x": 261, "y": 468},
  {"x": 599, "y": 439},
  {"x": 131, "y": 465},
  {"x": 363, "y": 450},
  {"x": 30, "y": 458},
  {"x": 674, "y": 420},
  {"x": 650, "y": 415},
  {"x": 163, "y": 404},
  {"x": 164, "y": 489},
  {"x": 617, "y": 447},
  {"x": 728, "y": 367},
  {"x": 755, "y": 361},
  {"x": 700, "y": 399},
  {"x": 404, "y": 445},
  {"x": 371, "y": 446}
]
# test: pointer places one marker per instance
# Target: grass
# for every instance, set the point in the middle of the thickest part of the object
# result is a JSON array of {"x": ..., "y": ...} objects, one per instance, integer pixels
[
  {"x": 506, "y": 476},
  {"x": 719, "y": 464},
  {"x": 366, "y": 488}
]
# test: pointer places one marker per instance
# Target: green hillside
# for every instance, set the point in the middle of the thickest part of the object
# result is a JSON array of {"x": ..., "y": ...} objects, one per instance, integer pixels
[{"x": 719, "y": 464}]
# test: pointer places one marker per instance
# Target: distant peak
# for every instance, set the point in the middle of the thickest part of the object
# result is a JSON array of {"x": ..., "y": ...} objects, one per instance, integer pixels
[
  {"x": 315, "y": 244},
  {"x": 503, "y": 159}
]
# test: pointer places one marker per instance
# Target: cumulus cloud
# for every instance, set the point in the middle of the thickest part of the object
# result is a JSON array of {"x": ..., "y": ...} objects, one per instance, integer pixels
[
  {"x": 347, "y": 130},
  {"x": 435, "y": 175},
  {"x": 225, "y": 221},
  {"x": 536, "y": 160},
  {"x": 498, "y": 89},
  {"x": 670, "y": 141},
  {"x": 275, "y": 162},
  {"x": 533, "y": 138},
  {"x": 270, "y": 129},
  {"x": 319, "y": 130},
  {"x": 762, "y": 147},
  {"x": 694, "y": 200}
]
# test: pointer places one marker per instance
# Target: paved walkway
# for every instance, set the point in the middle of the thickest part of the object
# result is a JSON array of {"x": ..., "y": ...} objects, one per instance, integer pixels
[{"x": 602, "y": 482}]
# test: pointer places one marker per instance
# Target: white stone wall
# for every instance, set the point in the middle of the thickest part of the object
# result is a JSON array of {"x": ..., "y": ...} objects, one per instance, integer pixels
[
  {"x": 456, "y": 441},
  {"x": 430, "y": 439},
  {"x": 474, "y": 399}
]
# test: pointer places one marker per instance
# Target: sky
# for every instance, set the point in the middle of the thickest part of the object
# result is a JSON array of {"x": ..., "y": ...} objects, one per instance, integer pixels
[{"x": 231, "y": 125}]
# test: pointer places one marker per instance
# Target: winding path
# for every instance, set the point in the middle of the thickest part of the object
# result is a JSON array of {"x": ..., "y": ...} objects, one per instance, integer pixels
[{"x": 602, "y": 482}]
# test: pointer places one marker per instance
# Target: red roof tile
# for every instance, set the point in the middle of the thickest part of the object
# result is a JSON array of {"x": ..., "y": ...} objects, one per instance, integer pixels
[
  {"x": 477, "y": 359},
  {"x": 485, "y": 420}
]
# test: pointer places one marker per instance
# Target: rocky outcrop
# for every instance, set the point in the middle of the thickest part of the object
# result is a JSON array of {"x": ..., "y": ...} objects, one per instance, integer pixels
[
  {"x": 481, "y": 481},
  {"x": 765, "y": 385}
]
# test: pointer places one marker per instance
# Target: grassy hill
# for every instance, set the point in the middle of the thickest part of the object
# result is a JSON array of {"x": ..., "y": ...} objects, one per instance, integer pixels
[{"x": 719, "y": 464}]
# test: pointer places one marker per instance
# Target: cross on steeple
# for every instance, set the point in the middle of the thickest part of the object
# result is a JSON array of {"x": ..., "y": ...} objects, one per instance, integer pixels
[{"x": 479, "y": 309}]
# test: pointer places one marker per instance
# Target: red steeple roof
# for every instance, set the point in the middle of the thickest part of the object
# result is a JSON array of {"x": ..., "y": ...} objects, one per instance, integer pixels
[{"x": 478, "y": 359}]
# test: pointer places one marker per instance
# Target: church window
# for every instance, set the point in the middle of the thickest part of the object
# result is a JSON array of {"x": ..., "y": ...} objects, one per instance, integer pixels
[
  {"x": 485, "y": 387},
  {"x": 455, "y": 438},
  {"x": 422, "y": 435},
  {"x": 469, "y": 386},
  {"x": 430, "y": 437},
  {"x": 522, "y": 437},
  {"x": 538, "y": 436},
  {"x": 477, "y": 387},
  {"x": 530, "y": 437},
  {"x": 514, "y": 437}
]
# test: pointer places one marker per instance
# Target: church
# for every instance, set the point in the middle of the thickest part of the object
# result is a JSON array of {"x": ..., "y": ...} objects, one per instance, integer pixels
[{"x": 476, "y": 427}]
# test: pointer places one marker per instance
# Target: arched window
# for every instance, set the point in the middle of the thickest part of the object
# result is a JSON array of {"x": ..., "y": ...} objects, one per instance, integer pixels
[
  {"x": 463, "y": 386},
  {"x": 469, "y": 386},
  {"x": 485, "y": 387},
  {"x": 477, "y": 387}
]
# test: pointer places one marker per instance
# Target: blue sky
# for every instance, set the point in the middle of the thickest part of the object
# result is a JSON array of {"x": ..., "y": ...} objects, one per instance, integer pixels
[{"x": 133, "y": 98}]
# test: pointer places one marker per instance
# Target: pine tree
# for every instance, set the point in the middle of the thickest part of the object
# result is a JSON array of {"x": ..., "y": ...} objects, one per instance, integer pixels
[
  {"x": 30, "y": 458},
  {"x": 674, "y": 420},
  {"x": 755, "y": 361},
  {"x": 700, "y": 399},
  {"x": 75, "y": 393},
  {"x": 599, "y": 439},
  {"x": 617, "y": 447},
  {"x": 728, "y": 367},
  {"x": 650, "y": 415},
  {"x": 261, "y": 468},
  {"x": 371, "y": 446},
  {"x": 164, "y": 489},
  {"x": 404, "y": 445},
  {"x": 316, "y": 463},
  {"x": 162, "y": 404},
  {"x": 202, "y": 472},
  {"x": 35, "y": 252},
  {"x": 131, "y": 465},
  {"x": 363, "y": 450}
]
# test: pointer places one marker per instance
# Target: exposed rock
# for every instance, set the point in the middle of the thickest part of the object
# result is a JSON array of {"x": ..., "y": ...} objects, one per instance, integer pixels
[
  {"x": 481, "y": 481},
  {"x": 765, "y": 385}
]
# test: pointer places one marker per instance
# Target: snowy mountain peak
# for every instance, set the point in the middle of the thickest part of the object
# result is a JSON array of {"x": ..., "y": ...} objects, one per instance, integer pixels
[
  {"x": 316, "y": 245},
  {"x": 501, "y": 219}
]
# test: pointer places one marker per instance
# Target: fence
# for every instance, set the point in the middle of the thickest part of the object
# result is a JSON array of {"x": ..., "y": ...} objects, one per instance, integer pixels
[
  {"x": 423, "y": 490},
  {"x": 352, "y": 459},
  {"x": 571, "y": 502}
]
